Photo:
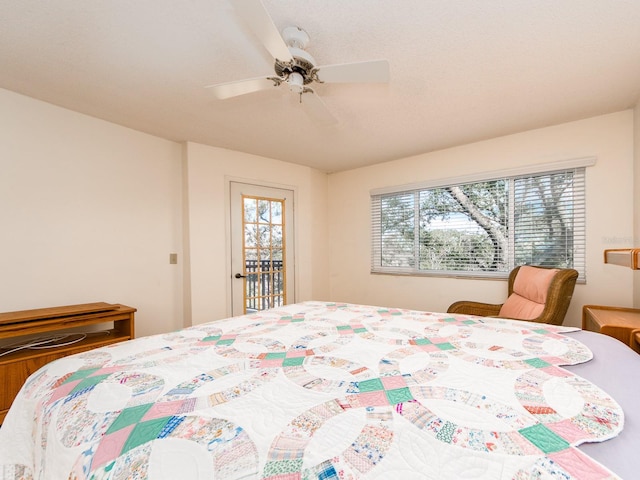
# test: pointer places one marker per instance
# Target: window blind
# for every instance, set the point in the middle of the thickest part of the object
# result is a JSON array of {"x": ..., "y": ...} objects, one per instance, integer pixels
[{"x": 482, "y": 228}]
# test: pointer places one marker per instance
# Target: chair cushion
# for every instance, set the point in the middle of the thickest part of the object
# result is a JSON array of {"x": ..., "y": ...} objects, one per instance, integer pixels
[{"x": 529, "y": 293}]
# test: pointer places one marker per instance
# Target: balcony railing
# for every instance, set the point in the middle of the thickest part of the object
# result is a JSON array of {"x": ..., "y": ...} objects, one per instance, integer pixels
[{"x": 265, "y": 284}]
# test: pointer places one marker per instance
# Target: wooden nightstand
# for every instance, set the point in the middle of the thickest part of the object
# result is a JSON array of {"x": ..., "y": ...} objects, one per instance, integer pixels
[{"x": 617, "y": 322}]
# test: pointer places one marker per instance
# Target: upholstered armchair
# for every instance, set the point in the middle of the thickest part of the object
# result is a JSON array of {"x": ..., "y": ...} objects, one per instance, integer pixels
[{"x": 536, "y": 294}]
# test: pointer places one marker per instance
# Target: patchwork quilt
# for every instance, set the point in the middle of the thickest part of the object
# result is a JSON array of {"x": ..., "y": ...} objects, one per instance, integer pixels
[{"x": 316, "y": 391}]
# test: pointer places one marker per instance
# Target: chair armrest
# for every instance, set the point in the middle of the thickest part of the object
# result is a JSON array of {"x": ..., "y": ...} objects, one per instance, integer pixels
[{"x": 475, "y": 308}]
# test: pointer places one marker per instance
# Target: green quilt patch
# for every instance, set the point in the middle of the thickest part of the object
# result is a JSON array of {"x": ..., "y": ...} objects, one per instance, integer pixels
[
  {"x": 544, "y": 439},
  {"x": 80, "y": 374},
  {"x": 275, "y": 355},
  {"x": 399, "y": 395},
  {"x": 537, "y": 363},
  {"x": 293, "y": 362},
  {"x": 129, "y": 416},
  {"x": 445, "y": 434},
  {"x": 89, "y": 382},
  {"x": 275, "y": 468},
  {"x": 145, "y": 432},
  {"x": 371, "y": 385}
]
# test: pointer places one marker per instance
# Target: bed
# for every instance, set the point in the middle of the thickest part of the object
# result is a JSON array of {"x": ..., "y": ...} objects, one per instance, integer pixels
[{"x": 321, "y": 390}]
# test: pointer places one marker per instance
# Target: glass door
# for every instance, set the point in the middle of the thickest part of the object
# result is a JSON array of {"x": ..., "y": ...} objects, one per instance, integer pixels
[{"x": 261, "y": 226}]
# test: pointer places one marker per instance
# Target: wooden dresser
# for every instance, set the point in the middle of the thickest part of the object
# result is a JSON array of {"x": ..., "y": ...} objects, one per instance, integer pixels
[{"x": 33, "y": 326}]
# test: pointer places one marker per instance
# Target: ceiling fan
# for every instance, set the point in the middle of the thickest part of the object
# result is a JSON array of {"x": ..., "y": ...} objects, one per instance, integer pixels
[{"x": 294, "y": 66}]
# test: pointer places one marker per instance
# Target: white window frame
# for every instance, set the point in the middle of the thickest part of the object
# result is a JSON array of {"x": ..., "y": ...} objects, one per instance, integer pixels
[{"x": 509, "y": 174}]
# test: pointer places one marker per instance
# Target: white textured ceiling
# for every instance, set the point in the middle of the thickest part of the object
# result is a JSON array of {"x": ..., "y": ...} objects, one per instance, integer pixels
[{"x": 461, "y": 70}]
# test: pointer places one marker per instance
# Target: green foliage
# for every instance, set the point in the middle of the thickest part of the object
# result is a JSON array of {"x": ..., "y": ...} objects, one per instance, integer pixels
[{"x": 453, "y": 250}]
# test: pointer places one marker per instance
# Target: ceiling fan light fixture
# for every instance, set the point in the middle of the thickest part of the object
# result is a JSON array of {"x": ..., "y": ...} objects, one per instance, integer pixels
[{"x": 296, "y": 82}]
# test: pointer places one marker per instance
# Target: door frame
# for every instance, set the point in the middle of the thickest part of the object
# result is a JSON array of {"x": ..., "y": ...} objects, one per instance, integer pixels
[{"x": 228, "y": 180}]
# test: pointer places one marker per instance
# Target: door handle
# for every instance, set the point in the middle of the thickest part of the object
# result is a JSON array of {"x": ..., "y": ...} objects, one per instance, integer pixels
[{"x": 239, "y": 275}]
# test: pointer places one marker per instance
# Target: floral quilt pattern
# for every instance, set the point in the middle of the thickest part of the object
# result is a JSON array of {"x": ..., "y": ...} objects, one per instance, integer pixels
[{"x": 316, "y": 391}]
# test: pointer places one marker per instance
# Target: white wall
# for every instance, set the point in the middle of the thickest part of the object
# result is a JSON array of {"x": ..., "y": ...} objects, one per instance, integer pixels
[
  {"x": 609, "y": 214},
  {"x": 89, "y": 211},
  {"x": 636, "y": 200},
  {"x": 209, "y": 171}
]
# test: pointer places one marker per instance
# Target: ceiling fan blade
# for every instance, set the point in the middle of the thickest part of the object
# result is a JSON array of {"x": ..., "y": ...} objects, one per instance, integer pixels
[
  {"x": 242, "y": 87},
  {"x": 376, "y": 71},
  {"x": 260, "y": 22},
  {"x": 316, "y": 108}
]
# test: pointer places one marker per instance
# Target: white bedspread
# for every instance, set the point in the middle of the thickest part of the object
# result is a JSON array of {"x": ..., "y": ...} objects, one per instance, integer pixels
[{"x": 316, "y": 391}]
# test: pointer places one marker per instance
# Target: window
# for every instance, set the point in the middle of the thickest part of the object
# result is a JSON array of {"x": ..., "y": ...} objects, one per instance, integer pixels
[{"x": 482, "y": 227}]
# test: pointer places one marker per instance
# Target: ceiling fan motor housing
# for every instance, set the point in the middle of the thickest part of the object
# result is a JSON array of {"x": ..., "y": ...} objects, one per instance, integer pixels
[
  {"x": 303, "y": 63},
  {"x": 295, "y": 37}
]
